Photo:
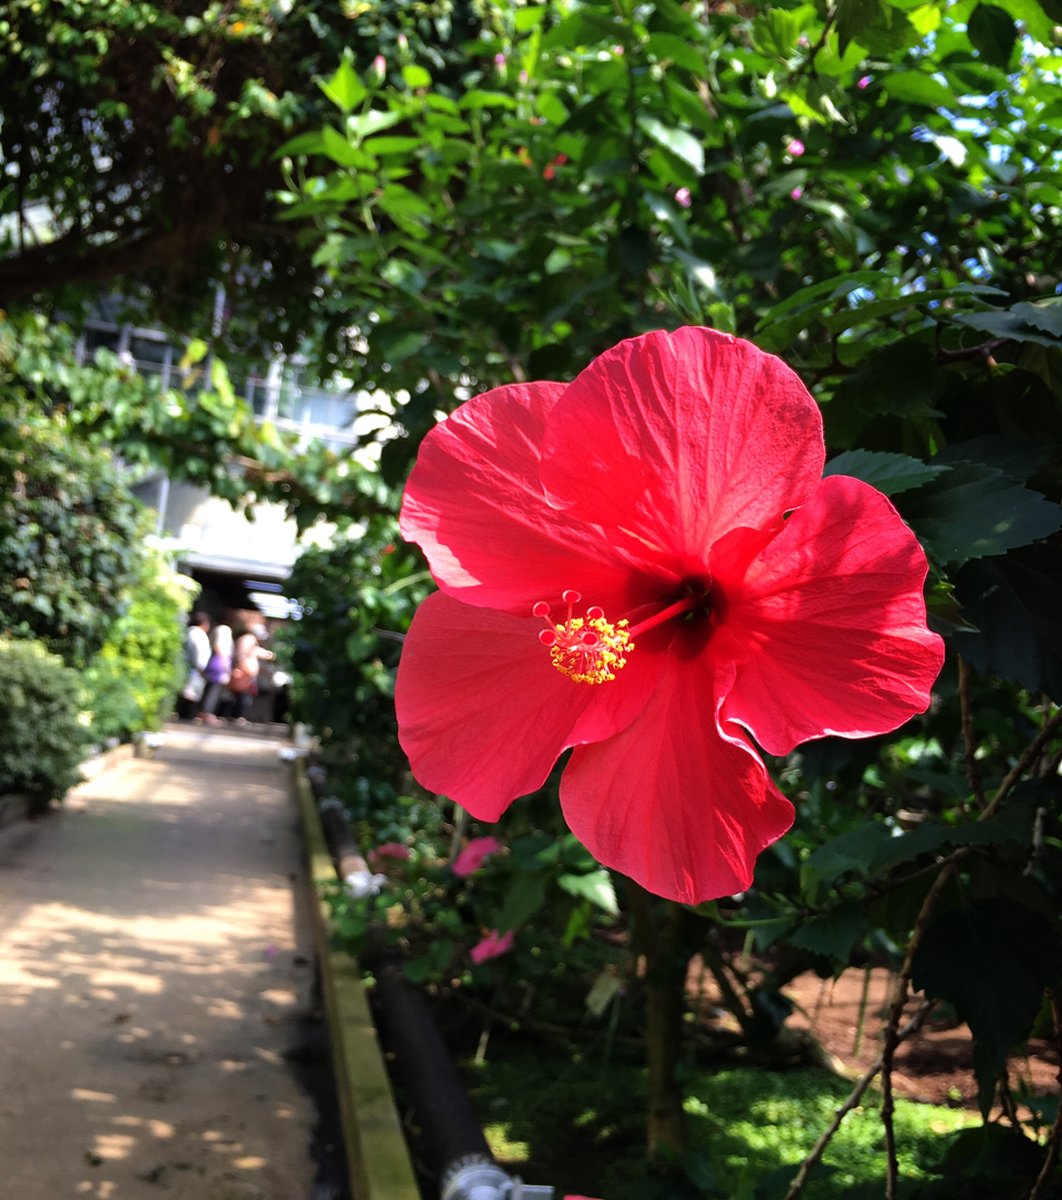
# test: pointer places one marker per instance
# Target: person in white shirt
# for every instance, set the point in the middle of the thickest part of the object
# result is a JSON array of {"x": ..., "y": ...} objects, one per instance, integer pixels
[{"x": 196, "y": 655}]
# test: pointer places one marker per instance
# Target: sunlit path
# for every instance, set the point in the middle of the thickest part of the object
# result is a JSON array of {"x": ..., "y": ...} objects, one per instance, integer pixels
[{"x": 154, "y": 961}]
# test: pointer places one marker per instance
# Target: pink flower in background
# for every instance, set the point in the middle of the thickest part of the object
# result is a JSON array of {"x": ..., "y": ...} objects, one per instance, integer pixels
[
  {"x": 474, "y": 855},
  {"x": 646, "y": 565},
  {"x": 394, "y": 850},
  {"x": 493, "y": 945},
  {"x": 795, "y": 147},
  {"x": 863, "y": 83},
  {"x": 379, "y": 68},
  {"x": 796, "y": 193},
  {"x": 499, "y": 59},
  {"x": 683, "y": 197}
]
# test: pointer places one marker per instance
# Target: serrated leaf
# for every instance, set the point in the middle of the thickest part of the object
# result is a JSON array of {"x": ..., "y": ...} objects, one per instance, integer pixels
[
  {"x": 975, "y": 512},
  {"x": 853, "y": 850},
  {"x": 1019, "y": 458},
  {"x": 1007, "y": 324},
  {"x": 991, "y": 960},
  {"x": 902, "y": 379},
  {"x": 1045, "y": 315},
  {"x": 1016, "y": 603},
  {"x": 889, "y": 473},
  {"x": 832, "y": 934}
]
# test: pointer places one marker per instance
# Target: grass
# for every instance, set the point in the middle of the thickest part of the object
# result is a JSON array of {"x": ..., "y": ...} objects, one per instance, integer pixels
[{"x": 578, "y": 1124}]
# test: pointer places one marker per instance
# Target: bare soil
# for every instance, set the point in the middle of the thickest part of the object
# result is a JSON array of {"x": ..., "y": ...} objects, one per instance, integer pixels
[{"x": 934, "y": 1066}]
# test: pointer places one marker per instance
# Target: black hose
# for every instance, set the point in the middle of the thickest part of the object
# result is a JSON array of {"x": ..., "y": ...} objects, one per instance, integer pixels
[{"x": 435, "y": 1095}]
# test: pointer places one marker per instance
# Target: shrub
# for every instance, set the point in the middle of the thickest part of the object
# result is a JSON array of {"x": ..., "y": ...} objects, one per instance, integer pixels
[
  {"x": 69, "y": 536},
  {"x": 42, "y": 739},
  {"x": 133, "y": 679}
]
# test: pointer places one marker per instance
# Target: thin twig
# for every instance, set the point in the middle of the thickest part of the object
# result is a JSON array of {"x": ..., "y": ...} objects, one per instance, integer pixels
[
  {"x": 1032, "y": 752},
  {"x": 969, "y": 742},
  {"x": 817, "y": 1151},
  {"x": 947, "y": 874},
  {"x": 892, "y": 1025}
]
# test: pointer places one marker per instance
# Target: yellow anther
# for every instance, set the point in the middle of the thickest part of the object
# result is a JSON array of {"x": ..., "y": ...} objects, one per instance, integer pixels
[{"x": 590, "y": 650}]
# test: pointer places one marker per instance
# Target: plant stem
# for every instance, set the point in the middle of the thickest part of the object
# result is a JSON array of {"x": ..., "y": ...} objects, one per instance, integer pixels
[
  {"x": 659, "y": 937},
  {"x": 856, "y": 1094},
  {"x": 969, "y": 742}
]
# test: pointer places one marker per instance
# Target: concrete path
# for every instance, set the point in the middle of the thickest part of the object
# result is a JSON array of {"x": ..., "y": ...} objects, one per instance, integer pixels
[{"x": 155, "y": 958}]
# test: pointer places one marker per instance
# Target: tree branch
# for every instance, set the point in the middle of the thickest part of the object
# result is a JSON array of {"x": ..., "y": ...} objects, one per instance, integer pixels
[{"x": 817, "y": 1151}]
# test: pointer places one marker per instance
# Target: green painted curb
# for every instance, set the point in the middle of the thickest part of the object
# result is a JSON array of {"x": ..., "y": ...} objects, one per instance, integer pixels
[{"x": 377, "y": 1157}]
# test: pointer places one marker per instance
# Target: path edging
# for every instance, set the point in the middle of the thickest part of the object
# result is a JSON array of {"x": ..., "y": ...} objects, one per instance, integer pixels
[{"x": 378, "y": 1163}]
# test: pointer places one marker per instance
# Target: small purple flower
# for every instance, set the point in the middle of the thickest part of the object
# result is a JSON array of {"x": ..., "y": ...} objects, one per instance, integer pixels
[
  {"x": 499, "y": 59},
  {"x": 863, "y": 83},
  {"x": 795, "y": 147},
  {"x": 796, "y": 193},
  {"x": 683, "y": 198}
]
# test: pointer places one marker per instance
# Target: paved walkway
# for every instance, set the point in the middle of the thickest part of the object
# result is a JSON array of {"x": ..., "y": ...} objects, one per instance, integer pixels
[{"x": 154, "y": 962}]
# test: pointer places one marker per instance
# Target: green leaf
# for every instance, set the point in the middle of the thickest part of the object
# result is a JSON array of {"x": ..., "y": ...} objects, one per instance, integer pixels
[
  {"x": 832, "y": 934},
  {"x": 416, "y": 76},
  {"x": 339, "y": 150},
  {"x": 344, "y": 89},
  {"x": 993, "y": 34},
  {"x": 680, "y": 143},
  {"x": 975, "y": 511},
  {"x": 595, "y": 887},
  {"x": 853, "y": 850},
  {"x": 1045, "y": 315},
  {"x": 902, "y": 379},
  {"x": 526, "y": 19},
  {"x": 668, "y": 46},
  {"x": 480, "y": 98},
  {"x": 524, "y": 898},
  {"x": 889, "y": 473},
  {"x": 1010, "y": 323},
  {"x": 912, "y": 87},
  {"x": 991, "y": 960},
  {"x": 1016, "y": 603},
  {"x": 856, "y": 16},
  {"x": 372, "y": 121}
]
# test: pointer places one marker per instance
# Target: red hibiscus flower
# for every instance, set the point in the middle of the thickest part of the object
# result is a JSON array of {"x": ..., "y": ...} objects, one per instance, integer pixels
[{"x": 646, "y": 565}]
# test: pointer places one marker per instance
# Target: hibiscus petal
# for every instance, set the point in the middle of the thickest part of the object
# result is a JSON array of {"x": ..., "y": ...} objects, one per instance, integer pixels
[
  {"x": 681, "y": 437},
  {"x": 483, "y": 716},
  {"x": 474, "y": 504},
  {"x": 829, "y": 624},
  {"x": 673, "y": 802}
]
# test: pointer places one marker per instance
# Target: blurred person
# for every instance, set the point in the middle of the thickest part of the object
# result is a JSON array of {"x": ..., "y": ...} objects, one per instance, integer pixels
[
  {"x": 248, "y": 655},
  {"x": 196, "y": 657},
  {"x": 218, "y": 674}
]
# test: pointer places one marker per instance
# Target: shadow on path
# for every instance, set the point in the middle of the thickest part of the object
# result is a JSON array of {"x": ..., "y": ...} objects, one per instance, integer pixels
[{"x": 155, "y": 968}]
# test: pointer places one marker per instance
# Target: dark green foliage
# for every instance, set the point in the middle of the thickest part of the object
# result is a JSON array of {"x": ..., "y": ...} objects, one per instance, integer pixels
[
  {"x": 69, "y": 536},
  {"x": 42, "y": 740}
]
